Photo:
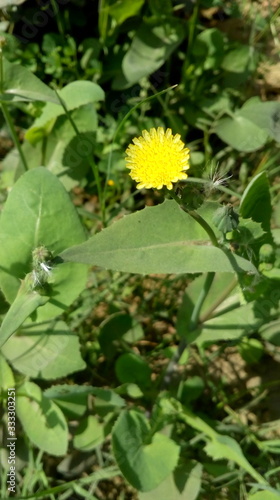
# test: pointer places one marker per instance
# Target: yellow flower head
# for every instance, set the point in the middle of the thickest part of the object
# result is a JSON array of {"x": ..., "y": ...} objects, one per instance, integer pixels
[{"x": 157, "y": 159}]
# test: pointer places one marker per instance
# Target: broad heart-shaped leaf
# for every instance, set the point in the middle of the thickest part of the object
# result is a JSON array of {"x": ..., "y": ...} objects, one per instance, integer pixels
[
  {"x": 74, "y": 95},
  {"x": 45, "y": 351},
  {"x": 241, "y": 133},
  {"x": 39, "y": 212},
  {"x": 256, "y": 201},
  {"x": 150, "y": 48},
  {"x": 19, "y": 84},
  {"x": 160, "y": 239},
  {"x": 144, "y": 460},
  {"x": 25, "y": 303},
  {"x": 42, "y": 420}
]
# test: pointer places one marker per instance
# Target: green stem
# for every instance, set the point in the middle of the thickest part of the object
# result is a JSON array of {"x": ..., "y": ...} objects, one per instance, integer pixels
[
  {"x": 213, "y": 187},
  {"x": 199, "y": 303},
  {"x": 219, "y": 300},
  {"x": 90, "y": 160},
  {"x": 1, "y": 69},
  {"x": 58, "y": 17},
  {"x": 198, "y": 219},
  {"x": 13, "y": 133}
]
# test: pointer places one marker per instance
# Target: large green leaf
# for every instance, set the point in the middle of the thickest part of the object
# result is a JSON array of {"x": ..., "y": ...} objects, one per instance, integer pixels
[
  {"x": 144, "y": 460},
  {"x": 42, "y": 420},
  {"x": 19, "y": 84},
  {"x": 150, "y": 48},
  {"x": 45, "y": 351},
  {"x": 161, "y": 239},
  {"x": 241, "y": 133},
  {"x": 39, "y": 212}
]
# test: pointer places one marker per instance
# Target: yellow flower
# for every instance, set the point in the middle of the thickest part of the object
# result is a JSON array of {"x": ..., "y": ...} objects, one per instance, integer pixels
[{"x": 157, "y": 159}]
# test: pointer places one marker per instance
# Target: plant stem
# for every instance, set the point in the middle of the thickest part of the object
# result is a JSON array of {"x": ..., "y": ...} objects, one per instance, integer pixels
[
  {"x": 199, "y": 303},
  {"x": 194, "y": 321},
  {"x": 13, "y": 133},
  {"x": 219, "y": 300},
  {"x": 7, "y": 115},
  {"x": 91, "y": 162},
  {"x": 198, "y": 219},
  {"x": 58, "y": 17}
]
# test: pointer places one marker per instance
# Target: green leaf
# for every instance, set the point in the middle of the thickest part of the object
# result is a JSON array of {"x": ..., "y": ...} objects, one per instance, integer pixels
[
  {"x": 190, "y": 389},
  {"x": 42, "y": 420},
  {"x": 230, "y": 325},
  {"x": 39, "y": 212},
  {"x": 6, "y": 376},
  {"x": 160, "y": 239},
  {"x": 225, "y": 447},
  {"x": 256, "y": 201},
  {"x": 144, "y": 460},
  {"x": 19, "y": 84},
  {"x": 66, "y": 154},
  {"x": 219, "y": 446},
  {"x": 251, "y": 350},
  {"x": 238, "y": 64},
  {"x": 241, "y": 134},
  {"x": 74, "y": 95},
  {"x": 118, "y": 327},
  {"x": 208, "y": 48},
  {"x": 73, "y": 398},
  {"x": 26, "y": 302},
  {"x": 131, "y": 368},
  {"x": 131, "y": 390},
  {"x": 183, "y": 484},
  {"x": 121, "y": 11},
  {"x": 266, "y": 115},
  {"x": 89, "y": 434},
  {"x": 271, "y": 332},
  {"x": 45, "y": 351},
  {"x": 265, "y": 495},
  {"x": 150, "y": 48}
]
